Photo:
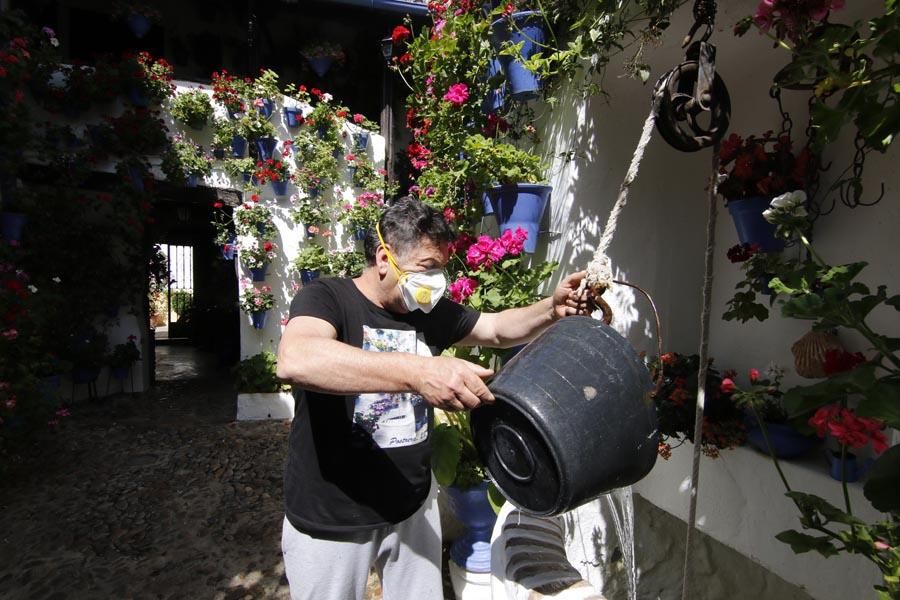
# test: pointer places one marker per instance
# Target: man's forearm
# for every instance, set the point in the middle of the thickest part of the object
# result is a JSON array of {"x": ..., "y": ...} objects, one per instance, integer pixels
[
  {"x": 330, "y": 366},
  {"x": 520, "y": 325}
]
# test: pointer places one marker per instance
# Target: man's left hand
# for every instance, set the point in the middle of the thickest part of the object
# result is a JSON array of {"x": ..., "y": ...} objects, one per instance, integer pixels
[{"x": 567, "y": 301}]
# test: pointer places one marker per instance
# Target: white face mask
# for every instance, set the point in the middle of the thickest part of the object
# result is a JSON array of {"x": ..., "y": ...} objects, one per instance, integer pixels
[{"x": 419, "y": 290}]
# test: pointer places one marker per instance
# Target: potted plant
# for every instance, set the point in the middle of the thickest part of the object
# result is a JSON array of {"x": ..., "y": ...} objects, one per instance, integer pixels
[
  {"x": 520, "y": 199},
  {"x": 363, "y": 213},
  {"x": 147, "y": 80},
  {"x": 296, "y": 98},
  {"x": 256, "y": 255},
  {"x": 18, "y": 203},
  {"x": 225, "y": 237},
  {"x": 517, "y": 37},
  {"x": 254, "y": 219},
  {"x": 365, "y": 127},
  {"x": 257, "y": 301},
  {"x": 315, "y": 161},
  {"x": 257, "y": 375},
  {"x": 264, "y": 90},
  {"x": 240, "y": 168},
  {"x": 322, "y": 55},
  {"x": 184, "y": 162},
  {"x": 752, "y": 172},
  {"x": 256, "y": 129},
  {"x": 193, "y": 108},
  {"x": 676, "y": 404},
  {"x": 231, "y": 92},
  {"x": 139, "y": 131},
  {"x": 309, "y": 212},
  {"x": 275, "y": 172},
  {"x": 88, "y": 353},
  {"x": 311, "y": 262},
  {"x": 227, "y": 139},
  {"x": 348, "y": 263},
  {"x": 122, "y": 357},
  {"x": 139, "y": 16}
]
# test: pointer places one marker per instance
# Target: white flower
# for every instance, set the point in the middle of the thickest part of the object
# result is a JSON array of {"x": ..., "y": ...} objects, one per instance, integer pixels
[
  {"x": 326, "y": 97},
  {"x": 56, "y": 280},
  {"x": 54, "y": 42},
  {"x": 789, "y": 200},
  {"x": 32, "y": 289},
  {"x": 770, "y": 215}
]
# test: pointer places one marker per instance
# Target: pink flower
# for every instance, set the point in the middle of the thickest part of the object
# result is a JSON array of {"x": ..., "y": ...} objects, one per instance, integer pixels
[
  {"x": 462, "y": 288},
  {"x": 727, "y": 386},
  {"x": 63, "y": 412},
  {"x": 11, "y": 334},
  {"x": 461, "y": 243},
  {"x": 754, "y": 375},
  {"x": 449, "y": 214},
  {"x": 457, "y": 94},
  {"x": 358, "y": 118},
  {"x": 849, "y": 429},
  {"x": 881, "y": 545},
  {"x": 514, "y": 241},
  {"x": 11, "y": 403},
  {"x": 485, "y": 252},
  {"x": 258, "y": 103}
]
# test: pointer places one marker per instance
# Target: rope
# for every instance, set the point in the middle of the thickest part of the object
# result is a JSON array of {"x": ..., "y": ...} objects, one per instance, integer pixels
[
  {"x": 701, "y": 375},
  {"x": 599, "y": 270}
]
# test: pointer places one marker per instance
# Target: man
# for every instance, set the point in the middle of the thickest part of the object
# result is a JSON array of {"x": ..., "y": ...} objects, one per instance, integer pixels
[{"x": 366, "y": 354}]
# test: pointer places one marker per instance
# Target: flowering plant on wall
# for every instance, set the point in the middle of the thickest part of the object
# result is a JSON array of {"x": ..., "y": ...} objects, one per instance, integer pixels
[
  {"x": 364, "y": 212},
  {"x": 324, "y": 50},
  {"x": 184, "y": 159},
  {"x": 139, "y": 131},
  {"x": 313, "y": 257},
  {"x": 153, "y": 76},
  {"x": 761, "y": 166},
  {"x": 256, "y": 253},
  {"x": 271, "y": 170},
  {"x": 230, "y": 91},
  {"x": 253, "y": 219},
  {"x": 256, "y": 299},
  {"x": 676, "y": 404},
  {"x": 308, "y": 211},
  {"x": 193, "y": 108}
]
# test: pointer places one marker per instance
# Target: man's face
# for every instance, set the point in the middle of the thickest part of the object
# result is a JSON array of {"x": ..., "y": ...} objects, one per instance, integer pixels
[{"x": 424, "y": 256}]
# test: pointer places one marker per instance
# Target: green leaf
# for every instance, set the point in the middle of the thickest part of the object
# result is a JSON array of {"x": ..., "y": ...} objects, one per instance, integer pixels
[
  {"x": 801, "y": 542},
  {"x": 812, "y": 503},
  {"x": 882, "y": 487},
  {"x": 495, "y": 497},
  {"x": 446, "y": 444},
  {"x": 882, "y": 401},
  {"x": 843, "y": 273}
]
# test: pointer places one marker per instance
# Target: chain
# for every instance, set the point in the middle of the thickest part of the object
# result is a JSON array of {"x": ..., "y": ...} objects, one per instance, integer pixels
[
  {"x": 786, "y": 122},
  {"x": 704, "y": 12},
  {"x": 851, "y": 188}
]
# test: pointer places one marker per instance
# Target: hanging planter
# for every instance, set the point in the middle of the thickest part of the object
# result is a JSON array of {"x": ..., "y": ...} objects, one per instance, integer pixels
[
  {"x": 292, "y": 116},
  {"x": 307, "y": 276},
  {"x": 259, "y": 319},
  {"x": 495, "y": 98},
  {"x": 266, "y": 108},
  {"x": 136, "y": 96},
  {"x": 320, "y": 64},
  {"x": 119, "y": 373},
  {"x": 521, "y": 205},
  {"x": 135, "y": 176},
  {"x": 487, "y": 204},
  {"x": 359, "y": 235},
  {"x": 472, "y": 550},
  {"x": 138, "y": 23},
  {"x": 279, "y": 187},
  {"x": 751, "y": 227},
  {"x": 526, "y": 28},
  {"x": 260, "y": 273},
  {"x": 361, "y": 140},
  {"x": 266, "y": 146},
  {"x": 786, "y": 441},
  {"x": 228, "y": 248},
  {"x": 847, "y": 470},
  {"x": 12, "y": 224},
  {"x": 192, "y": 181},
  {"x": 238, "y": 146}
]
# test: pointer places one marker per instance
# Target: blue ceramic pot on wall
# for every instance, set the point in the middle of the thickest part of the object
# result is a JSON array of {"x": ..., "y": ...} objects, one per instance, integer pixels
[
  {"x": 472, "y": 551},
  {"x": 320, "y": 64},
  {"x": 12, "y": 224},
  {"x": 307, "y": 276},
  {"x": 786, "y": 441},
  {"x": 292, "y": 116},
  {"x": 279, "y": 187},
  {"x": 139, "y": 24},
  {"x": 228, "y": 248},
  {"x": 527, "y": 28},
  {"x": 260, "y": 273},
  {"x": 259, "y": 319},
  {"x": 521, "y": 205},
  {"x": 238, "y": 146},
  {"x": 268, "y": 106},
  {"x": 266, "y": 146},
  {"x": 751, "y": 227}
]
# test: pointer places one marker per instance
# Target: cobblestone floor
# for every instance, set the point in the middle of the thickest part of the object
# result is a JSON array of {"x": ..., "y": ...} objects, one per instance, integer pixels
[{"x": 159, "y": 495}]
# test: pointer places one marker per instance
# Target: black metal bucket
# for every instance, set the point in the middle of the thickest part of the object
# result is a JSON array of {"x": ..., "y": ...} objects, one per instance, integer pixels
[{"x": 573, "y": 419}]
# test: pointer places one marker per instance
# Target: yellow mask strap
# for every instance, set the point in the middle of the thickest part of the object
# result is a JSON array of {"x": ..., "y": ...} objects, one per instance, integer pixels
[{"x": 401, "y": 275}]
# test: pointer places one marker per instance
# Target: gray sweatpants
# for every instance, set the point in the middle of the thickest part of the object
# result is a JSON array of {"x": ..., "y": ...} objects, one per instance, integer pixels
[{"x": 407, "y": 557}]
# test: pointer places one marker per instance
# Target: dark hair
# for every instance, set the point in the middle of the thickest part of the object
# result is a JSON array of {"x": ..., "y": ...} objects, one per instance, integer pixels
[{"x": 404, "y": 223}]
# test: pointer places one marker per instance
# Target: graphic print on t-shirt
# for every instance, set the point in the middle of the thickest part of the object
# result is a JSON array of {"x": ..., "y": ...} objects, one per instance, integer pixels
[{"x": 399, "y": 419}]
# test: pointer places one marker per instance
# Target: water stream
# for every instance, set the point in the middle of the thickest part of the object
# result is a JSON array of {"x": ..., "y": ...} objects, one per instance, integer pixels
[{"x": 621, "y": 508}]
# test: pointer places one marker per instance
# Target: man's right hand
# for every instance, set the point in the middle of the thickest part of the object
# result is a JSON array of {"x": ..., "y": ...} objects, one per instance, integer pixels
[{"x": 451, "y": 383}]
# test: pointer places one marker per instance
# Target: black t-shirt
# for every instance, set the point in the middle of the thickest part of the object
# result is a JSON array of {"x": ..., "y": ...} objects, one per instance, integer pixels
[{"x": 362, "y": 461}]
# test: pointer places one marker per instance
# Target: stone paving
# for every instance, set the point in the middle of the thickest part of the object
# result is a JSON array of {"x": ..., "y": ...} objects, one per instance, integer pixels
[{"x": 159, "y": 495}]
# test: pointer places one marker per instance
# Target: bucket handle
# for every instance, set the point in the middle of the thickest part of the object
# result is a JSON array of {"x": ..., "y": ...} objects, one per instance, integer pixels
[{"x": 601, "y": 305}]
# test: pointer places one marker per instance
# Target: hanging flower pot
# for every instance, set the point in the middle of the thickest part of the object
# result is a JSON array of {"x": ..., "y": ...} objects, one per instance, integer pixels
[
  {"x": 12, "y": 224},
  {"x": 495, "y": 98},
  {"x": 259, "y": 319},
  {"x": 136, "y": 96},
  {"x": 266, "y": 108},
  {"x": 292, "y": 116},
  {"x": 526, "y": 28},
  {"x": 279, "y": 187},
  {"x": 138, "y": 23},
  {"x": 472, "y": 550},
  {"x": 847, "y": 470},
  {"x": 238, "y": 146},
  {"x": 266, "y": 146},
  {"x": 260, "y": 273},
  {"x": 307, "y": 276},
  {"x": 359, "y": 235},
  {"x": 119, "y": 373},
  {"x": 218, "y": 153},
  {"x": 192, "y": 181},
  {"x": 320, "y": 64},
  {"x": 786, "y": 441},
  {"x": 361, "y": 140},
  {"x": 228, "y": 248},
  {"x": 521, "y": 205},
  {"x": 135, "y": 176},
  {"x": 487, "y": 204},
  {"x": 751, "y": 227}
]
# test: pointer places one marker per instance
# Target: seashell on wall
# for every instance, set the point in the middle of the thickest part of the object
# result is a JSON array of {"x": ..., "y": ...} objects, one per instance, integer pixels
[{"x": 809, "y": 353}]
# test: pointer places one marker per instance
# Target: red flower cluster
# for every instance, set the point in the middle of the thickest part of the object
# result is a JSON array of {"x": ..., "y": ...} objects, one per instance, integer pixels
[
  {"x": 271, "y": 170},
  {"x": 418, "y": 155},
  {"x": 838, "y": 361},
  {"x": 742, "y": 252},
  {"x": 757, "y": 170},
  {"x": 400, "y": 34},
  {"x": 849, "y": 429},
  {"x": 226, "y": 90}
]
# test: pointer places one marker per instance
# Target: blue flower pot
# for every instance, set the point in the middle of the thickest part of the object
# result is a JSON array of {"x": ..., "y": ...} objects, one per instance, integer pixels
[
  {"x": 266, "y": 147},
  {"x": 472, "y": 551},
  {"x": 320, "y": 64},
  {"x": 292, "y": 116},
  {"x": 527, "y": 28},
  {"x": 238, "y": 146},
  {"x": 260, "y": 273},
  {"x": 81, "y": 375},
  {"x": 359, "y": 235},
  {"x": 313, "y": 192},
  {"x": 192, "y": 181},
  {"x": 786, "y": 441},
  {"x": 259, "y": 319},
  {"x": 751, "y": 227},
  {"x": 268, "y": 106},
  {"x": 320, "y": 132},
  {"x": 135, "y": 176},
  {"x": 228, "y": 248},
  {"x": 119, "y": 373},
  {"x": 307, "y": 276},
  {"x": 521, "y": 205},
  {"x": 246, "y": 177},
  {"x": 279, "y": 187},
  {"x": 137, "y": 97},
  {"x": 12, "y": 224},
  {"x": 361, "y": 140},
  {"x": 487, "y": 204},
  {"x": 138, "y": 23},
  {"x": 218, "y": 153},
  {"x": 850, "y": 470},
  {"x": 495, "y": 98}
]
